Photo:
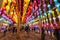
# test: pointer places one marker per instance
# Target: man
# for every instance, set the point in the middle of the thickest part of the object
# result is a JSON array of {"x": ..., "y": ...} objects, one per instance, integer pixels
[{"x": 43, "y": 34}]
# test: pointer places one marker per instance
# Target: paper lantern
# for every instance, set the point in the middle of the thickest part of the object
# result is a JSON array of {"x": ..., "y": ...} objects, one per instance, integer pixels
[
  {"x": 53, "y": 13},
  {"x": 51, "y": 1},
  {"x": 38, "y": 1},
  {"x": 31, "y": 3},
  {"x": 35, "y": 3}
]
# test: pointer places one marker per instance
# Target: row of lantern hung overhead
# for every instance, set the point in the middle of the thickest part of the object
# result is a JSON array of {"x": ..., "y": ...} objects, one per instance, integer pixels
[
  {"x": 4, "y": 17},
  {"x": 8, "y": 10},
  {"x": 34, "y": 9}
]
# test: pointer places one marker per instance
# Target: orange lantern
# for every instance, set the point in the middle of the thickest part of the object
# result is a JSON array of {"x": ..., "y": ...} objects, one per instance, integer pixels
[{"x": 14, "y": 2}]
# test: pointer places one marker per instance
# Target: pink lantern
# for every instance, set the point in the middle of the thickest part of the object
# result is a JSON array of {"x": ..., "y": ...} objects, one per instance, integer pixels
[
  {"x": 35, "y": 3},
  {"x": 44, "y": 5},
  {"x": 38, "y": 1},
  {"x": 50, "y": 1}
]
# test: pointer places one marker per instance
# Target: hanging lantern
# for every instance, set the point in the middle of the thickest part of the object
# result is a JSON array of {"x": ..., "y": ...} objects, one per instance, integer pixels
[
  {"x": 57, "y": 11},
  {"x": 24, "y": 20},
  {"x": 35, "y": 3},
  {"x": 38, "y": 1},
  {"x": 51, "y": 1},
  {"x": 30, "y": 8},
  {"x": 44, "y": 5},
  {"x": 31, "y": 3},
  {"x": 4, "y": 3},
  {"x": 14, "y": 2},
  {"x": 53, "y": 13},
  {"x": 54, "y": 19}
]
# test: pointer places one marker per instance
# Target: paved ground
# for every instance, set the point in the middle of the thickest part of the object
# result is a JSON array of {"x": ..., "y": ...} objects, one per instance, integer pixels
[{"x": 23, "y": 36}]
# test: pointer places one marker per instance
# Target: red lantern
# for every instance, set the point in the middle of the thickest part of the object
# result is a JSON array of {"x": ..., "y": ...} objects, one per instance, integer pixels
[
  {"x": 35, "y": 3},
  {"x": 30, "y": 3},
  {"x": 38, "y": 1},
  {"x": 29, "y": 13},
  {"x": 24, "y": 20},
  {"x": 30, "y": 7}
]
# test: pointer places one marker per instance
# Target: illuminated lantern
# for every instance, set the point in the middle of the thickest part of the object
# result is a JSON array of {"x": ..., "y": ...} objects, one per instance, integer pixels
[
  {"x": 29, "y": 12},
  {"x": 50, "y": 1},
  {"x": 13, "y": 1},
  {"x": 57, "y": 4},
  {"x": 0, "y": 11},
  {"x": 24, "y": 20},
  {"x": 47, "y": 24},
  {"x": 57, "y": 11},
  {"x": 38, "y": 1},
  {"x": 3, "y": 10},
  {"x": 50, "y": 11},
  {"x": 7, "y": 9},
  {"x": 48, "y": 15},
  {"x": 4, "y": 3},
  {"x": 30, "y": 3},
  {"x": 54, "y": 19},
  {"x": 46, "y": 20},
  {"x": 30, "y": 7},
  {"x": 53, "y": 13},
  {"x": 44, "y": 5},
  {"x": 43, "y": 1},
  {"x": 50, "y": 19},
  {"x": 35, "y": 3},
  {"x": 49, "y": 6},
  {"x": 9, "y": 2}
]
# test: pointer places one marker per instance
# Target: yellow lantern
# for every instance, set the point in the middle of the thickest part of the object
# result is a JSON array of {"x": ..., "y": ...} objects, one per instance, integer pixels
[
  {"x": 9, "y": 2},
  {"x": 15, "y": 17},
  {"x": 7, "y": 9},
  {"x": 53, "y": 13},
  {"x": 57, "y": 12},
  {"x": 4, "y": 3},
  {"x": 48, "y": 15}
]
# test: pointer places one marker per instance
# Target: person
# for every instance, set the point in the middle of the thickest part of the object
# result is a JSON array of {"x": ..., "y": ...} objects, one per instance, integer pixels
[
  {"x": 56, "y": 33},
  {"x": 14, "y": 29},
  {"x": 4, "y": 30},
  {"x": 21, "y": 28},
  {"x": 27, "y": 28},
  {"x": 43, "y": 34}
]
